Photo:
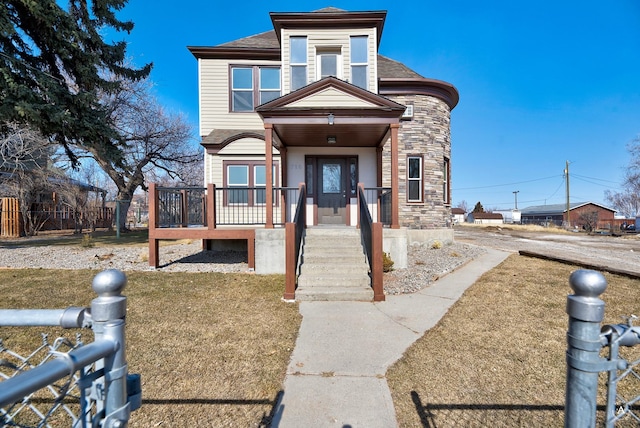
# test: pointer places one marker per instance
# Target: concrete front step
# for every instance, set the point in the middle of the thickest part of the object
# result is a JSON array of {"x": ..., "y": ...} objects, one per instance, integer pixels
[
  {"x": 338, "y": 294},
  {"x": 334, "y": 267}
]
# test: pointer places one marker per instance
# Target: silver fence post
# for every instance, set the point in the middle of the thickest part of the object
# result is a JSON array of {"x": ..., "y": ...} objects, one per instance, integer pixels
[
  {"x": 108, "y": 312},
  {"x": 586, "y": 312}
]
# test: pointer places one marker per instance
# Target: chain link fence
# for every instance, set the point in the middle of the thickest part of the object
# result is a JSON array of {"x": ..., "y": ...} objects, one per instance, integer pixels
[{"x": 67, "y": 382}]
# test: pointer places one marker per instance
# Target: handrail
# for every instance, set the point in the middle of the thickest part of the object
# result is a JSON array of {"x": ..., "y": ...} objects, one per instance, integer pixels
[
  {"x": 371, "y": 235},
  {"x": 294, "y": 232}
]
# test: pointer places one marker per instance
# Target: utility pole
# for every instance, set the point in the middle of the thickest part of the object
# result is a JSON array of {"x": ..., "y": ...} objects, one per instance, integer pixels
[
  {"x": 566, "y": 173},
  {"x": 515, "y": 192}
]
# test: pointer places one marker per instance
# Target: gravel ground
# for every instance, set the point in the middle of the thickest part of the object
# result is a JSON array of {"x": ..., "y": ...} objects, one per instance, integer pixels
[{"x": 425, "y": 264}]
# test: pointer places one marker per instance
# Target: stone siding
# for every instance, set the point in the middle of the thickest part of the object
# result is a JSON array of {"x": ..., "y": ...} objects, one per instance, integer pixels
[{"x": 428, "y": 134}]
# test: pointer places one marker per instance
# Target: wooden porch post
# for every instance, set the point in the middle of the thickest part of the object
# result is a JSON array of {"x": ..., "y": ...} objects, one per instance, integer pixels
[
  {"x": 395, "y": 224},
  {"x": 154, "y": 259},
  {"x": 211, "y": 206},
  {"x": 290, "y": 261},
  {"x": 284, "y": 203},
  {"x": 268, "y": 157}
]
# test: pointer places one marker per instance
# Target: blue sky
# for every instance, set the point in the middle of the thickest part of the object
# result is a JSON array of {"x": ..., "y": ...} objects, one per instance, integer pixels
[{"x": 541, "y": 82}]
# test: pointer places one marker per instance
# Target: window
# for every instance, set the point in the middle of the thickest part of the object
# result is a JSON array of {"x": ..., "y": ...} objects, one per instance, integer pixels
[
  {"x": 298, "y": 61},
  {"x": 359, "y": 60},
  {"x": 328, "y": 62},
  {"x": 414, "y": 179},
  {"x": 242, "y": 89},
  {"x": 238, "y": 181},
  {"x": 446, "y": 187},
  {"x": 240, "y": 176},
  {"x": 252, "y": 86}
]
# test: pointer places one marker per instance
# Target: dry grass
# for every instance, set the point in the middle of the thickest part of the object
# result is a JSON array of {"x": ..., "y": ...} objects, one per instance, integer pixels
[
  {"x": 517, "y": 227},
  {"x": 212, "y": 349},
  {"x": 498, "y": 357}
]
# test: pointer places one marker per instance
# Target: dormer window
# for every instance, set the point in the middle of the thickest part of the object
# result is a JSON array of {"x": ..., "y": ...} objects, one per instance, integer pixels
[
  {"x": 298, "y": 61},
  {"x": 359, "y": 60},
  {"x": 329, "y": 61}
]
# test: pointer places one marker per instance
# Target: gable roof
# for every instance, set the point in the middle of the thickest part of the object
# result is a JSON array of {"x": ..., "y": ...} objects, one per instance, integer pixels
[
  {"x": 486, "y": 216},
  {"x": 558, "y": 208},
  {"x": 457, "y": 211}
]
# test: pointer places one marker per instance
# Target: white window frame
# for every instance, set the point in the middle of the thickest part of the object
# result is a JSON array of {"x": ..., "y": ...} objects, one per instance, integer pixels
[
  {"x": 328, "y": 51},
  {"x": 353, "y": 64},
  {"x": 295, "y": 65},
  {"x": 419, "y": 179}
]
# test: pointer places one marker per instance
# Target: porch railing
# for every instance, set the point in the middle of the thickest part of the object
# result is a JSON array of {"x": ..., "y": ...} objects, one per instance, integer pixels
[
  {"x": 371, "y": 235},
  {"x": 229, "y": 206},
  {"x": 294, "y": 232},
  {"x": 379, "y": 203}
]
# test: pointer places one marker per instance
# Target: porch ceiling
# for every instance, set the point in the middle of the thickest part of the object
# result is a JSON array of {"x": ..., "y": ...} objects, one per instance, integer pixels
[{"x": 317, "y": 135}]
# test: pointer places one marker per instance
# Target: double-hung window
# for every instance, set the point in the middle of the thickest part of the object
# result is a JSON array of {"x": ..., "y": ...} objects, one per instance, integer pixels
[
  {"x": 359, "y": 60},
  {"x": 298, "y": 61},
  {"x": 240, "y": 176},
  {"x": 414, "y": 179},
  {"x": 252, "y": 86}
]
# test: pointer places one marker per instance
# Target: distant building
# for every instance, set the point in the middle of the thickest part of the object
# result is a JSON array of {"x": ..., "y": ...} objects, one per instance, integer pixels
[
  {"x": 458, "y": 215},
  {"x": 485, "y": 218},
  {"x": 510, "y": 216},
  {"x": 556, "y": 214}
]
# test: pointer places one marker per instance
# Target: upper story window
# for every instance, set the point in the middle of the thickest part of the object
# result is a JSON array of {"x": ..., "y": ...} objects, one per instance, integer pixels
[
  {"x": 359, "y": 61},
  {"x": 328, "y": 62},
  {"x": 253, "y": 85},
  {"x": 298, "y": 61},
  {"x": 446, "y": 184}
]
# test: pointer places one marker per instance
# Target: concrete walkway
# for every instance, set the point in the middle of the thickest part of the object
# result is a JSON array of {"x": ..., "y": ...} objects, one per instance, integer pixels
[{"x": 336, "y": 377}]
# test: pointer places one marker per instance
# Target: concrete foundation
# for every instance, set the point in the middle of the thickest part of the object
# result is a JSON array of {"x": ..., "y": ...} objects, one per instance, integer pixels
[
  {"x": 396, "y": 242},
  {"x": 270, "y": 251}
]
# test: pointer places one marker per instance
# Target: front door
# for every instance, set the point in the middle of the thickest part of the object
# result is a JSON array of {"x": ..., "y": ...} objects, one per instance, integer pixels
[{"x": 332, "y": 191}]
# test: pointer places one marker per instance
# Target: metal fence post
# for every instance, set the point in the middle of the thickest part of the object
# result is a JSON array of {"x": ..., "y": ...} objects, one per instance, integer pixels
[
  {"x": 586, "y": 312},
  {"x": 108, "y": 312}
]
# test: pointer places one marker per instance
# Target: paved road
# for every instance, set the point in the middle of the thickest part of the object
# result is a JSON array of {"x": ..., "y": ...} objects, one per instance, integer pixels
[{"x": 617, "y": 253}]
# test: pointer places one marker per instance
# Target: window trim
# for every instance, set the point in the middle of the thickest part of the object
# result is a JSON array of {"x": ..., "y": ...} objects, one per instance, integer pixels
[
  {"x": 256, "y": 89},
  {"x": 251, "y": 166},
  {"x": 329, "y": 50},
  {"x": 420, "y": 179},
  {"x": 365, "y": 64},
  {"x": 446, "y": 185},
  {"x": 293, "y": 65}
]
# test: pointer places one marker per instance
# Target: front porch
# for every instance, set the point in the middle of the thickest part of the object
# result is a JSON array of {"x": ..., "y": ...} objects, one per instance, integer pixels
[{"x": 274, "y": 233}]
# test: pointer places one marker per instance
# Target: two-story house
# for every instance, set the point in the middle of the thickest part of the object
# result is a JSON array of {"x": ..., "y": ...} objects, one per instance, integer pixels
[{"x": 313, "y": 102}]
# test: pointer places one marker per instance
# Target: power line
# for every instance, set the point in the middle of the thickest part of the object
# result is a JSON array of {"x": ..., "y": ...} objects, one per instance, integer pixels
[{"x": 507, "y": 184}]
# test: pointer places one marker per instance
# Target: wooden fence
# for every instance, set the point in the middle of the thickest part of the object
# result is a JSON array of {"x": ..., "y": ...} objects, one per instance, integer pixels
[{"x": 10, "y": 219}]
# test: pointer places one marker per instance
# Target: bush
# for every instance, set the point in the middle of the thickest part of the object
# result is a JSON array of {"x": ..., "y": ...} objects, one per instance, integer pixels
[
  {"x": 87, "y": 241},
  {"x": 436, "y": 245},
  {"x": 387, "y": 263}
]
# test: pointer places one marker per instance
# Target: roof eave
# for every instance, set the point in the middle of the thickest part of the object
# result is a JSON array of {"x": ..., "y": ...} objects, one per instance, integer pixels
[
  {"x": 420, "y": 86},
  {"x": 218, "y": 52}
]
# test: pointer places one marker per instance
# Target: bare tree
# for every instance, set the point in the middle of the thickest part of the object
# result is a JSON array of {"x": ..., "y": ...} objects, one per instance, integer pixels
[
  {"x": 154, "y": 142},
  {"x": 627, "y": 202},
  {"x": 463, "y": 206},
  {"x": 24, "y": 175},
  {"x": 588, "y": 220}
]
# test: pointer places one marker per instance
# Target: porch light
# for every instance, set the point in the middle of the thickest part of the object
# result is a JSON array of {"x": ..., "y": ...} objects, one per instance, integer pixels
[
  {"x": 331, "y": 140},
  {"x": 330, "y": 119}
]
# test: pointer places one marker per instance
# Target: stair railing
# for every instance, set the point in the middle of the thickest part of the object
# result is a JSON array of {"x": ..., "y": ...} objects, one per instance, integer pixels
[
  {"x": 371, "y": 236},
  {"x": 294, "y": 232}
]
